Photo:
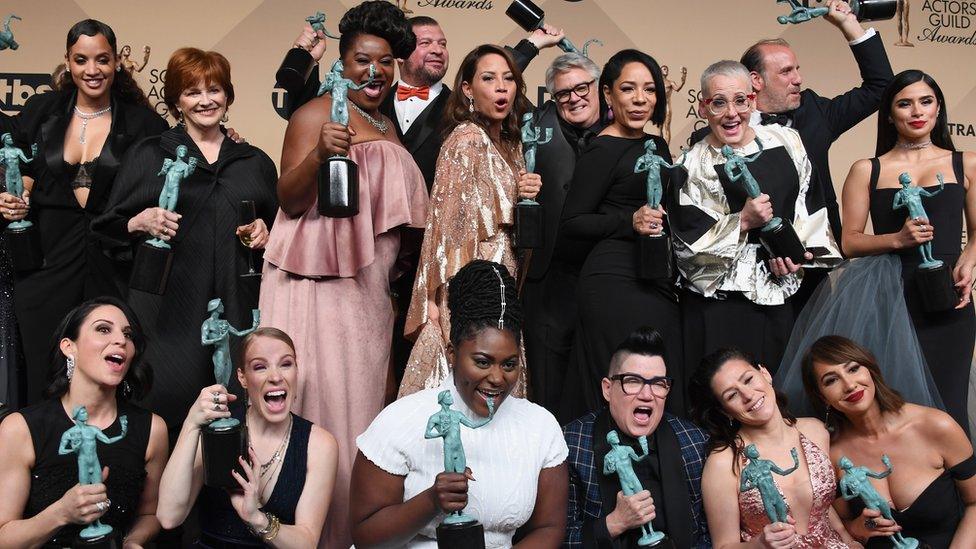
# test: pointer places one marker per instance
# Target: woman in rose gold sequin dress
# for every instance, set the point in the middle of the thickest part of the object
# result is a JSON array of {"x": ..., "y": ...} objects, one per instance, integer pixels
[
  {"x": 733, "y": 399},
  {"x": 480, "y": 174}
]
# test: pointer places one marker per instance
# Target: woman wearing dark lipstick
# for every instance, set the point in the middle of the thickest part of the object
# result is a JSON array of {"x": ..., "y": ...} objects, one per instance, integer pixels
[
  {"x": 480, "y": 175},
  {"x": 400, "y": 492},
  {"x": 913, "y": 137},
  {"x": 97, "y": 363},
  {"x": 327, "y": 280},
  {"x": 933, "y": 483},
  {"x": 597, "y": 233},
  {"x": 287, "y": 486}
]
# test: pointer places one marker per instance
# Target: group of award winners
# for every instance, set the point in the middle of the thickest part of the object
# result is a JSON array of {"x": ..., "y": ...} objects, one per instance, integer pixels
[{"x": 736, "y": 360}]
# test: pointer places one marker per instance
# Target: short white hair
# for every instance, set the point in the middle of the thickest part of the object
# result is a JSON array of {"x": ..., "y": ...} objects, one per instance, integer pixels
[
  {"x": 567, "y": 62},
  {"x": 729, "y": 68}
]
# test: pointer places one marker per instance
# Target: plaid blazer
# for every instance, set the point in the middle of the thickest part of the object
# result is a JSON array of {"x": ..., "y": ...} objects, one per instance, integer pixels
[{"x": 585, "y": 503}]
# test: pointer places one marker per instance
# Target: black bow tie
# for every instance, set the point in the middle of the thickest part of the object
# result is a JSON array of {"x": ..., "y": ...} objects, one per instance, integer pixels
[{"x": 782, "y": 118}]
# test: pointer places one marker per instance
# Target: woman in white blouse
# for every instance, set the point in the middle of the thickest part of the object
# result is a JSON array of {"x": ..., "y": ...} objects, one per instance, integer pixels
[{"x": 400, "y": 492}]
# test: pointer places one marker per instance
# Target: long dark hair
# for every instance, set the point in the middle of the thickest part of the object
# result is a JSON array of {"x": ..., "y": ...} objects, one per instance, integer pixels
[
  {"x": 707, "y": 411},
  {"x": 611, "y": 72},
  {"x": 888, "y": 135},
  {"x": 137, "y": 381},
  {"x": 124, "y": 87},
  {"x": 457, "y": 110},
  {"x": 836, "y": 349}
]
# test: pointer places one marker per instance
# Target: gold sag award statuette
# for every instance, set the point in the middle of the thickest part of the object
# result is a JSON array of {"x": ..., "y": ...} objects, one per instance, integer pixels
[
  {"x": 904, "y": 26},
  {"x": 669, "y": 88}
]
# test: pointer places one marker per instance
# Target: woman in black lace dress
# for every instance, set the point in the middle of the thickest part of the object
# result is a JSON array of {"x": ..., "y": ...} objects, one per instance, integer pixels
[{"x": 97, "y": 364}]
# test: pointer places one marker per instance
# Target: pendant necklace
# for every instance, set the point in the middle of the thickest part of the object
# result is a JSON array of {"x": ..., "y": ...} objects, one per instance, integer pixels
[{"x": 86, "y": 117}]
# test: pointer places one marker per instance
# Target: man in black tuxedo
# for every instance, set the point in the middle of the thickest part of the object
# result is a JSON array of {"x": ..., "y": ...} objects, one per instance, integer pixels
[{"x": 820, "y": 121}]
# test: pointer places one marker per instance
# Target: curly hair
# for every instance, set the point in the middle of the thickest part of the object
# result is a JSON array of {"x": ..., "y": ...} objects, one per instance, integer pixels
[
  {"x": 124, "y": 87},
  {"x": 137, "y": 381},
  {"x": 378, "y": 18},
  {"x": 457, "y": 111},
  {"x": 483, "y": 294}
]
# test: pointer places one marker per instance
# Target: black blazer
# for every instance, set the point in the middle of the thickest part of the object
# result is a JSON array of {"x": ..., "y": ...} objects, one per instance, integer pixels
[
  {"x": 424, "y": 138},
  {"x": 821, "y": 121}
]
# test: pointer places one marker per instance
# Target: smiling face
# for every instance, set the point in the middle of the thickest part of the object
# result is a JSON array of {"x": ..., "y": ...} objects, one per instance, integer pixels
[
  {"x": 270, "y": 376},
  {"x": 203, "y": 104},
  {"x": 746, "y": 393},
  {"x": 778, "y": 88},
  {"x": 632, "y": 97},
  {"x": 485, "y": 366},
  {"x": 366, "y": 50},
  {"x": 848, "y": 388},
  {"x": 729, "y": 126},
  {"x": 427, "y": 65},
  {"x": 493, "y": 87},
  {"x": 914, "y": 111},
  {"x": 103, "y": 350},
  {"x": 582, "y": 111},
  {"x": 91, "y": 62},
  {"x": 638, "y": 414}
]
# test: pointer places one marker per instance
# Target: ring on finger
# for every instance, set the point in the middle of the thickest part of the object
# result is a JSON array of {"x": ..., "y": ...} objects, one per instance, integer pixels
[
  {"x": 870, "y": 524},
  {"x": 215, "y": 397},
  {"x": 216, "y": 406}
]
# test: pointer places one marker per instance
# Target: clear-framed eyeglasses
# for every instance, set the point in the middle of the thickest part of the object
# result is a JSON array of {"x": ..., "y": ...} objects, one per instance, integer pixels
[
  {"x": 719, "y": 105},
  {"x": 581, "y": 90},
  {"x": 631, "y": 384}
]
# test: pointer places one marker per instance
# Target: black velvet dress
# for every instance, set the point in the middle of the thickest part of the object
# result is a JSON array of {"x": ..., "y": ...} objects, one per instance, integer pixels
[
  {"x": 947, "y": 337},
  {"x": 207, "y": 258},
  {"x": 596, "y": 233}
]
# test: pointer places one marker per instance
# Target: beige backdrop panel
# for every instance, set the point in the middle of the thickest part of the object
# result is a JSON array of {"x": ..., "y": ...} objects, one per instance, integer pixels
[{"x": 254, "y": 35}]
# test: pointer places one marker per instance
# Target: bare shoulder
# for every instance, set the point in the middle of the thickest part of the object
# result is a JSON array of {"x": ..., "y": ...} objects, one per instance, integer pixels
[
  {"x": 861, "y": 169},
  {"x": 814, "y": 430},
  {"x": 158, "y": 436},
  {"x": 315, "y": 111},
  {"x": 15, "y": 441},
  {"x": 320, "y": 440},
  {"x": 718, "y": 465},
  {"x": 13, "y": 427}
]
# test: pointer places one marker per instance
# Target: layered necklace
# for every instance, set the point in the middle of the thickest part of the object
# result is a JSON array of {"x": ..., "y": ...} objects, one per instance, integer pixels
[
  {"x": 88, "y": 116},
  {"x": 380, "y": 125}
]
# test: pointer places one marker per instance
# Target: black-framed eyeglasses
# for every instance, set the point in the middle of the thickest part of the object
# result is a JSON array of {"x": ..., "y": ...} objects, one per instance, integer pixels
[
  {"x": 631, "y": 384},
  {"x": 581, "y": 90}
]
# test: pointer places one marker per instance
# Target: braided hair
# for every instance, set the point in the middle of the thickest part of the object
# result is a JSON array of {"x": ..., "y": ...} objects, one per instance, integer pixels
[{"x": 475, "y": 300}]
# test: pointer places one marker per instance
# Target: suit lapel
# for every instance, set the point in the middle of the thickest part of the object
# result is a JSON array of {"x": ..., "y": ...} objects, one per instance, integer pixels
[
  {"x": 388, "y": 108},
  {"x": 674, "y": 485},
  {"x": 108, "y": 159},
  {"x": 426, "y": 124}
]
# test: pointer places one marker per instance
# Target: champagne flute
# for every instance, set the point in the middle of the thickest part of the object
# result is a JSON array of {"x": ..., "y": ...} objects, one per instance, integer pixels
[{"x": 247, "y": 215}]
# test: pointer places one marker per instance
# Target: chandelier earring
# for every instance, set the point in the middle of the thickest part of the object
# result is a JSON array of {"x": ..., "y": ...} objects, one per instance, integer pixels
[
  {"x": 69, "y": 367},
  {"x": 471, "y": 105}
]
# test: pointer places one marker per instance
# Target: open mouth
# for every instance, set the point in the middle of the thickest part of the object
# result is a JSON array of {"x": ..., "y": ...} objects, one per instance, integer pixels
[
  {"x": 276, "y": 400},
  {"x": 375, "y": 89},
  {"x": 501, "y": 103},
  {"x": 732, "y": 127},
  {"x": 759, "y": 404},
  {"x": 116, "y": 361},
  {"x": 642, "y": 415},
  {"x": 94, "y": 83},
  {"x": 492, "y": 394}
]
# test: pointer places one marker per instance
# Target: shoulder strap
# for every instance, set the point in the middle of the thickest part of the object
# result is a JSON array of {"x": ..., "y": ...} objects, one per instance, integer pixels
[
  {"x": 875, "y": 172},
  {"x": 957, "y": 167}
]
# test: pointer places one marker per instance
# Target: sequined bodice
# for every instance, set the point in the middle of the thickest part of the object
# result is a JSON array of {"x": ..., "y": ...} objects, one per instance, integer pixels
[{"x": 752, "y": 516}]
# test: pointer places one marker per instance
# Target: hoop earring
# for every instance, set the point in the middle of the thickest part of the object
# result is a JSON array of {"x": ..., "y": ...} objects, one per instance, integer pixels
[
  {"x": 224, "y": 118},
  {"x": 69, "y": 367}
]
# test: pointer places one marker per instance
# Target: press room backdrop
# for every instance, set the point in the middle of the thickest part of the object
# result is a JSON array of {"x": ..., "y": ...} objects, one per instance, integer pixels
[{"x": 254, "y": 35}]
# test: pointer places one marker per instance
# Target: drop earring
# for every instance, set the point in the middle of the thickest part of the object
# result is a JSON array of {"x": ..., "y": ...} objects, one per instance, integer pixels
[
  {"x": 471, "y": 105},
  {"x": 69, "y": 367}
]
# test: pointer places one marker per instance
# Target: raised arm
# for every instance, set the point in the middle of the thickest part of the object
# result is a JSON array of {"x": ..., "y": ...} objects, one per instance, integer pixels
[
  {"x": 927, "y": 193},
  {"x": 124, "y": 422},
  {"x": 796, "y": 464}
]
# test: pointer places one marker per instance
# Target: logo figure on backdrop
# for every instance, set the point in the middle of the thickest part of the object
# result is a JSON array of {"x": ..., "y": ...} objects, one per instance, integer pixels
[
  {"x": 904, "y": 29},
  {"x": 128, "y": 64},
  {"x": 669, "y": 88},
  {"x": 402, "y": 7}
]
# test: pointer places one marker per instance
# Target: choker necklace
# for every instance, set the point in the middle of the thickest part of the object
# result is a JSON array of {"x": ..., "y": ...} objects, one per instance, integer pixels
[
  {"x": 380, "y": 125},
  {"x": 913, "y": 146},
  {"x": 85, "y": 117}
]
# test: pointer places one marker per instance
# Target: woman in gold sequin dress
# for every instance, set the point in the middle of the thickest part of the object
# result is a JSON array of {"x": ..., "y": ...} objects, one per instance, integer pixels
[{"x": 480, "y": 172}]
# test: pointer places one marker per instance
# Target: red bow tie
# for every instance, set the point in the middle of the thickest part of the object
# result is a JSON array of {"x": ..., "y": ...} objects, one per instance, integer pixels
[{"x": 404, "y": 93}]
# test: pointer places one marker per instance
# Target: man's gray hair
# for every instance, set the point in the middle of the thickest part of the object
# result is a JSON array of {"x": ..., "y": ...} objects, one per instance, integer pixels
[
  {"x": 567, "y": 62},
  {"x": 729, "y": 68}
]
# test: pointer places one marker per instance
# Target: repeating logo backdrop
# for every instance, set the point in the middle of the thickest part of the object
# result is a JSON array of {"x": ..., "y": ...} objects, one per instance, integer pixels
[{"x": 938, "y": 36}]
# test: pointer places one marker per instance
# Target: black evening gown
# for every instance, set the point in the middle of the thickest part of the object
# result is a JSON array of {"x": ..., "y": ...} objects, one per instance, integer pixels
[
  {"x": 597, "y": 234},
  {"x": 9, "y": 352},
  {"x": 78, "y": 265},
  {"x": 207, "y": 258},
  {"x": 53, "y": 474},
  {"x": 947, "y": 337}
]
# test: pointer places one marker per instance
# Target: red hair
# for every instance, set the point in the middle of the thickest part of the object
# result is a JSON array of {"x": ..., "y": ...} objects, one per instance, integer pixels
[{"x": 188, "y": 66}]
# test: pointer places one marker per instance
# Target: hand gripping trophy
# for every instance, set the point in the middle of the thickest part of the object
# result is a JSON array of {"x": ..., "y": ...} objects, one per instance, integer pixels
[
  {"x": 338, "y": 178},
  {"x": 758, "y": 474},
  {"x": 298, "y": 63},
  {"x": 458, "y": 529},
  {"x": 82, "y": 439},
  {"x": 223, "y": 439},
  {"x": 620, "y": 460},
  {"x": 22, "y": 238},
  {"x": 855, "y": 484},
  {"x": 654, "y": 251},
  {"x": 933, "y": 278},
  {"x": 529, "y": 220}
]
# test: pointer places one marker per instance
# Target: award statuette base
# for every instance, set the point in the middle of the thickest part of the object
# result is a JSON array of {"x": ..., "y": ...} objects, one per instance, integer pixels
[
  {"x": 150, "y": 270},
  {"x": 24, "y": 246},
  {"x": 469, "y": 534},
  {"x": 934, "y": 282},
  {"x": 294, "y": 69},
  {"x": 222, "y": 443},
  {"x": 96, "y": 536},
  {"x": 338, "y": 184},
  {"x": 652, "y": 539},
  {"x": 779, "y": 237},
  {"x": 654, "y": 257},
  {"x": 874, "y": 10},
  {"x": 529, "y": 225}
]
